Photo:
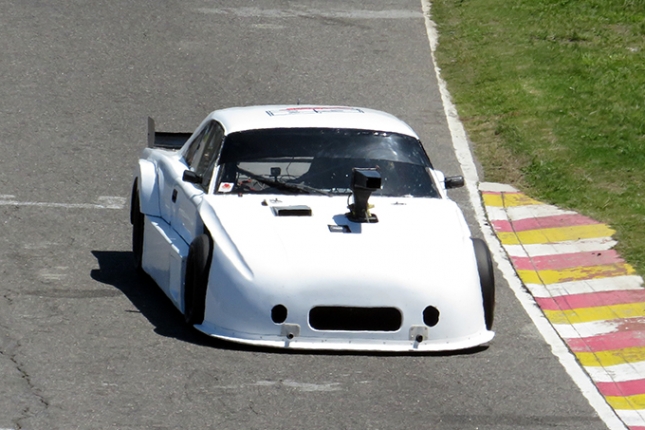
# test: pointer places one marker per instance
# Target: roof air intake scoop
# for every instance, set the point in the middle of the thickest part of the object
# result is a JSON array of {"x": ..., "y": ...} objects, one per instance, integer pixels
[{"x": 364, "y": 183}]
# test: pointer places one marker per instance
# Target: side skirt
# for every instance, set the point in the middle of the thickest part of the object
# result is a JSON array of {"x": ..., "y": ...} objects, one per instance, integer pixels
[{"x": 164, "y": 258}]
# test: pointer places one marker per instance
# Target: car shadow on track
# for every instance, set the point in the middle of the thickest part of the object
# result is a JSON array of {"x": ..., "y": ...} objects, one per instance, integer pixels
[{"x": 116, "y": 268}]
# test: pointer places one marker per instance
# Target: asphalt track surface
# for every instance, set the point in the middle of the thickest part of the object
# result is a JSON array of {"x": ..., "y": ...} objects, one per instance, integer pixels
[{"x": 87, "y": 344}]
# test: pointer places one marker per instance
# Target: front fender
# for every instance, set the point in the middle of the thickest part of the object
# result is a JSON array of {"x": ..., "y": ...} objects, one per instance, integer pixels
[
  {"x": 148, "y": 188},
  {"x": 223, "y": 247}
]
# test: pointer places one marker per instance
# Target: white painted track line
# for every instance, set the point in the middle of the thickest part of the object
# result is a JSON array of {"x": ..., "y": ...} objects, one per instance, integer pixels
[
  {"x": 616, "y": 283},
  {"x": 103, "y": 202},
  {"x": 618, "y": 373},
  {"x": 462, "y": 150},
  {"x": 517, "y": 213},
  {"x": 632, "y": 417},
  {"x": 583, "y": 245},
  {"x": 595, "y": 328}
]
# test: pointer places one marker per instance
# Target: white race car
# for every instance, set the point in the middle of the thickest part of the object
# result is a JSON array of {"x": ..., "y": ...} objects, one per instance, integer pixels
[{"x": 311, "y": 227}]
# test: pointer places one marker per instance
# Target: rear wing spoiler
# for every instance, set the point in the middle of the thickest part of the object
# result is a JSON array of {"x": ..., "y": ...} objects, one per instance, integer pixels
[{"x": 165, "y": 140}]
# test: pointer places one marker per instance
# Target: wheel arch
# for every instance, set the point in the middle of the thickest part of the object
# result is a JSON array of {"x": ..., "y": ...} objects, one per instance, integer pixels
[
  {"x": 197, "y": 277},
  {"x": 486, "y": 279},
  {"x": 148, "y": 188}
]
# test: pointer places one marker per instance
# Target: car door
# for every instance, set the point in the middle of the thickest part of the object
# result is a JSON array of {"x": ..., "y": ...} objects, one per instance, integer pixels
[
  {"x": 170, "y": 172},
  {"x": 187, "y": 195}
]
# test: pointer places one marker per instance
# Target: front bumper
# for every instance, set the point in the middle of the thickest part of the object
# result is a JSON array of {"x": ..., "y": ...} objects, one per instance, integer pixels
[{"x": 350, "y": 342}]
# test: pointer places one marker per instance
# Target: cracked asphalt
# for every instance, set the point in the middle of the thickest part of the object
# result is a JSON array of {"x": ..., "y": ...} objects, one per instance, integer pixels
[{"x": 25, "y": 400}]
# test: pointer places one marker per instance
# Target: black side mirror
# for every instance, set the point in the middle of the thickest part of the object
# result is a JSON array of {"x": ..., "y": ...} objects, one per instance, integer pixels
[
  {"x": 454, "y": 182},
  {"x": 192, "y": 177}
]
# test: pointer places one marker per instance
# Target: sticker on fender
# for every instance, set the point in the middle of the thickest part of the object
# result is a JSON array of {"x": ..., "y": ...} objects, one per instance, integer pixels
[{"x": 225, "y": 187}]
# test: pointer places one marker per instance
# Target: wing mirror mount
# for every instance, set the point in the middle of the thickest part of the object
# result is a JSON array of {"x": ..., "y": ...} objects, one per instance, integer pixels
[
  {"x": 454, "y": 182},
  {"x": 192, "y": 177}
]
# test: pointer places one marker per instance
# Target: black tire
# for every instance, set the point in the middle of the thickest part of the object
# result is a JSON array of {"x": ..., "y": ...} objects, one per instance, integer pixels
[
  {"x": 196, "y": 282},
  {"x": 486, "y": 279},
  {"x": 137, "y": 219}
]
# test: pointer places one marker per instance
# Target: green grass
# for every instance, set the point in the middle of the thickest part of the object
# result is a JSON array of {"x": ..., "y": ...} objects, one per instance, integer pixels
[{"x": 552, "y": 94}]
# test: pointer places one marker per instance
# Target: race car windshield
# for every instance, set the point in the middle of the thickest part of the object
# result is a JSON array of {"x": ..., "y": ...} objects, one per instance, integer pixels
[{"x": 280, "y": 161}]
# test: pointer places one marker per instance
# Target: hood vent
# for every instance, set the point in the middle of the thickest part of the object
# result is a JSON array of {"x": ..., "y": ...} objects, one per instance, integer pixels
[{"x": 299, "y": 210}]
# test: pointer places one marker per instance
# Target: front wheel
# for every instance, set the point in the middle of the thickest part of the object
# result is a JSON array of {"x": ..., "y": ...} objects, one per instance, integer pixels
[
  {"x": 486, "y": 279},
  {"x": 196, "y": 282},
  {"x": 138, "y": 220}
]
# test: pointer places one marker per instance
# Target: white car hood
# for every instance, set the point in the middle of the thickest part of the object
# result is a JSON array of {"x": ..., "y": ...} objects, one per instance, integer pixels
[{"x": 420, "y": 237}]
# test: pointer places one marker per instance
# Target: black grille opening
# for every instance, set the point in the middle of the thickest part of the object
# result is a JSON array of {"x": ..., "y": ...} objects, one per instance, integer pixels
[
  {"x": 343, "y": 318},
  {"x": 431, "y": 316},
  {"x": 279, "y": 314}
]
